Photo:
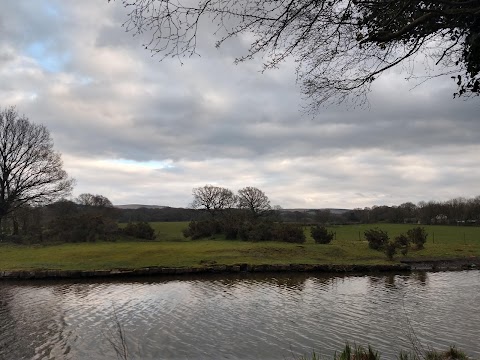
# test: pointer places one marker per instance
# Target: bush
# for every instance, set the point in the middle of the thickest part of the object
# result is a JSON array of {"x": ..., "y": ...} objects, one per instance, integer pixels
[
  {"x": 231, "y": 228},
  {"x": 290, "y": 233},
  {"x": 321, "y": 235},
  {"x": 270, "y": 231},
  {"x": 87, "y": 227},
  {"x": 141, "y": 230},
  {"x": 391, "y": 249},
  {"x": 201, "y": 229},
  {"x": 418, "y": 237},
  {"x": 258, "y": 231},
  {"x": 230, "y": 231},
  {"x": 377, "y": 239},
  {"x": 402, "y": 242}
]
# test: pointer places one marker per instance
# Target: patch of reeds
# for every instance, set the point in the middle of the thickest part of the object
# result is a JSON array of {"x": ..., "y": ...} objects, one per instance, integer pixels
[{"x": 358, "y": 352}]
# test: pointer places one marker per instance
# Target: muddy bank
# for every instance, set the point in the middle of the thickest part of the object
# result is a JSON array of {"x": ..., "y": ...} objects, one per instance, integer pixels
[{"x": 405, "y": 265}]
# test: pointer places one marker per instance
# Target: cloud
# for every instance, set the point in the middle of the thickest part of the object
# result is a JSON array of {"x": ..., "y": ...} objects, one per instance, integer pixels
[{"x": 120, "y": 116}]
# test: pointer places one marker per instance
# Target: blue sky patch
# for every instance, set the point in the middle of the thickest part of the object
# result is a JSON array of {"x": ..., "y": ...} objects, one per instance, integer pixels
[{"x": 46, "y": 58}]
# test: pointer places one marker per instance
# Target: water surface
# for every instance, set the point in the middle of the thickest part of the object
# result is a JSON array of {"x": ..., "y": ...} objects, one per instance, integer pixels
[{"x": 239, "y": 317}]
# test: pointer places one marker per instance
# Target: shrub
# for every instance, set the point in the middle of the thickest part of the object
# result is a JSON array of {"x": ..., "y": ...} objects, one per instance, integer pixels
[
  {"x": 87, "y": 227},
  {"x": 230, "y": 227},
  {"x": 201, "y": 229},
  {"x": 257, "y": 231},
  {"x": 270, "y": 231},
  {"x": 243, "y": 231},
  {"x": 321, "y": 235},
  {"x": 391, "y": 249},
  {"x": 402, "y": 242},
  {"x": 418, "y": 237},
  {"x": 289, "y": 233},
  {"x": 377, "y": 239},
  {"x": 141, "y": 230},
  {"x": 230, "y": 231}
]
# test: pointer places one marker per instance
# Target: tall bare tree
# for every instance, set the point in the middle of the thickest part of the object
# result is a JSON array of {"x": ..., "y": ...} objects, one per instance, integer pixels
[
  {"x": 254, "y": 200},
  {"x": 213, "y": 199},
  {"x": 93, "y": 200},
  {"x": 30, "y": 170},
  {"x": 341, "y": 46}
]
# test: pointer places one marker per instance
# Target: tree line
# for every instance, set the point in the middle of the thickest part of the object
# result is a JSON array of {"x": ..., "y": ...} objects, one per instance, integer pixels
[{"x": 457, "y": 211}]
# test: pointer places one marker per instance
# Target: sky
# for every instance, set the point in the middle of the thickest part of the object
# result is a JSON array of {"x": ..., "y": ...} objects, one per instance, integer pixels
[{"x": 139, "y": 130}]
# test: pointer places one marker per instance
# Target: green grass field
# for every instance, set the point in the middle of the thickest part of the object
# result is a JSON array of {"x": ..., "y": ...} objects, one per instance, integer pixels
[{"x": 171, "y": 250}]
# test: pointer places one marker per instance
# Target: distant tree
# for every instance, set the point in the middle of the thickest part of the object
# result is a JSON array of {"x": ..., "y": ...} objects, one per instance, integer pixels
[
  {"x": 30, "y": 170},
  {"x": 254, "y": 200},
  {"x": 276, "y": 213},
  {"x": 93, "y": 200},
  {"x": 409, "y": 210},
  {"x": 213, "y": 199},
  {"x": 341, "y": 46},
  {"x": 323, "y": 216}
]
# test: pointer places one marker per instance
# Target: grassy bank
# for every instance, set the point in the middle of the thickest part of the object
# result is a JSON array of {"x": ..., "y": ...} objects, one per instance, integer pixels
[{"x": 172, "y": 250}]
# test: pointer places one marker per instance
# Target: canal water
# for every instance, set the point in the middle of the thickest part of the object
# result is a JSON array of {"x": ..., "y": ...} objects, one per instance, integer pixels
[{"x": 268, "y": 316}]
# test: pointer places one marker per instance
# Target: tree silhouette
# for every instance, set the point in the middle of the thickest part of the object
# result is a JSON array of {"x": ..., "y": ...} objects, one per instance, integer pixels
[
  {"x": 341, "y": 46},
  {"x": 30, "y": 170},
  {"x": 254, "y": 200}
]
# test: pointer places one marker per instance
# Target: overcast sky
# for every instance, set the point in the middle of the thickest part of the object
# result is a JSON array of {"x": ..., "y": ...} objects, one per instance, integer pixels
[{"x": 138, "y": 130}]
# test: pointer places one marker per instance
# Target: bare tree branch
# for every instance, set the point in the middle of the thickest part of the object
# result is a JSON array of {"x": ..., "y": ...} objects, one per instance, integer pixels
[
  {"x": 213, "y": 199},
  {"x": 341, "y": 46},
  {"x": 253, "y": 200}
]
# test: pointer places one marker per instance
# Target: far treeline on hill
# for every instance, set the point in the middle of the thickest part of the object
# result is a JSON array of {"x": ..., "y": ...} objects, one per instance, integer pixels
[{"x": 458, "y": 211}]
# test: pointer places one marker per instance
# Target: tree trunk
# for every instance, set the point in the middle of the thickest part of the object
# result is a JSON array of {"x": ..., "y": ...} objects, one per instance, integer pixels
[{"x": 15, "y": 226}]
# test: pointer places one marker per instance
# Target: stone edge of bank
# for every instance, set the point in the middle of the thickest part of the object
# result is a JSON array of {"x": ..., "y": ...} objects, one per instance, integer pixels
[{"x": 404, "y": 266}]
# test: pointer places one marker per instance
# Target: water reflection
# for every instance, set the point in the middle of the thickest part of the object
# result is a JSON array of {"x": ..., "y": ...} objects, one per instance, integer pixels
[{"x": 251, "y": 316}]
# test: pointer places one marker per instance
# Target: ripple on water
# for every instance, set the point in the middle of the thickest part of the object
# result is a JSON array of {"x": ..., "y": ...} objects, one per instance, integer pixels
[{"x": 247, "y": 317}]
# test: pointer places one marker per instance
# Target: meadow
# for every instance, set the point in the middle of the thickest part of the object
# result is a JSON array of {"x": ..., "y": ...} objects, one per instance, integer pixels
[{"x": 171, "y": 249}]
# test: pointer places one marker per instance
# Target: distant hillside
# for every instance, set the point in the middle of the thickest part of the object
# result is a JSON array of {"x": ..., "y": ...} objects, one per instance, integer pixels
[
  {"x": 138, "y": 206},
  {"x": 333, "y": 211},
  {"x": 141, "y": 212}
]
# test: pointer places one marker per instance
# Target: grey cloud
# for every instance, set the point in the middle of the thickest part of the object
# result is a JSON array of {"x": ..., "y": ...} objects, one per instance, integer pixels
[{"x": 229, "y": 125}]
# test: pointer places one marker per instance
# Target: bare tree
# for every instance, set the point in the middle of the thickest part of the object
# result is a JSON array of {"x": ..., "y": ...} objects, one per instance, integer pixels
[
  {"x": 254, "y": 200},
  {"x": 30, "y": 170},
  {"x": 341, "y": 46},
  {"x": 213, "y": 199},
  {"x": 93, "y": 200}
]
